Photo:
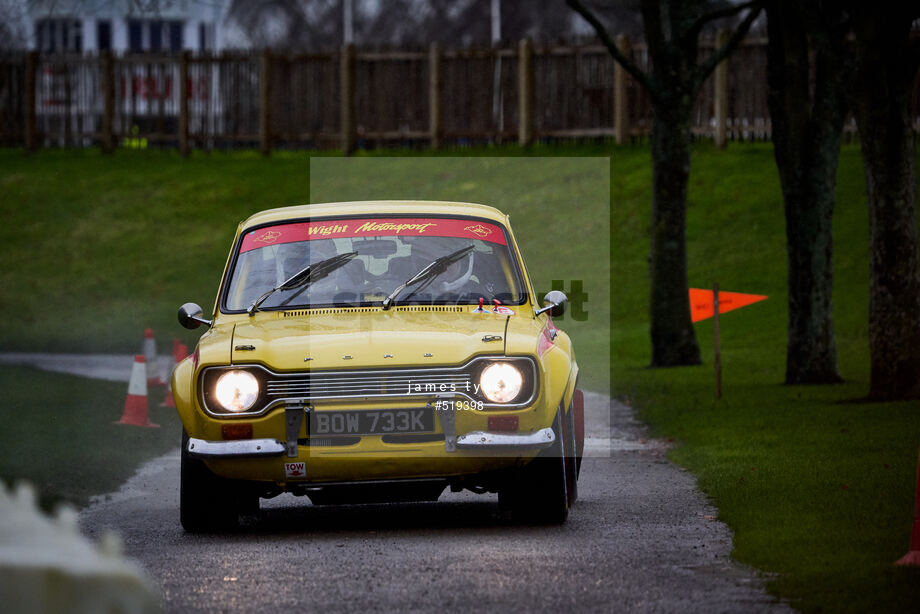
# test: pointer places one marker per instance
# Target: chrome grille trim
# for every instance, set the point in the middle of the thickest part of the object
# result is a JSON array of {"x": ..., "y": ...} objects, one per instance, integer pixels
[{"x": 368, "y": 384}]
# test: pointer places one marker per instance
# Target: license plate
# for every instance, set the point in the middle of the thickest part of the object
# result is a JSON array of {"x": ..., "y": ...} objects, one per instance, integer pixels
[{"x": 371, "y": 422}]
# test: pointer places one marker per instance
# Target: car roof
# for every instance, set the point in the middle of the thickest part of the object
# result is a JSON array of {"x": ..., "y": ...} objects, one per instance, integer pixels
[{"x": 375, "y": 207}]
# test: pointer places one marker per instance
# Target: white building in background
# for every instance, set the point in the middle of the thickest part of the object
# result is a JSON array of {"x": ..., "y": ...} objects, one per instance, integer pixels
[{"x": 124, "y": 26}]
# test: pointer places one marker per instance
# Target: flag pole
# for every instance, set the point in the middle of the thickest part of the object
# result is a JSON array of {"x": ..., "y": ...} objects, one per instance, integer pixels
[{"x": 717, "y": 342}]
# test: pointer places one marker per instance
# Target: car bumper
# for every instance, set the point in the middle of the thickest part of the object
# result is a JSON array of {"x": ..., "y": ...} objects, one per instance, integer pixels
[
  {"x": 478, "y": 440},
  {"x": 242, "y": 448},
  {"x": 485, "y": 440}
]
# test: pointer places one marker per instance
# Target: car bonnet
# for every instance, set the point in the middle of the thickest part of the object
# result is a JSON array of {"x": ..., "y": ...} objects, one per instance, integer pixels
[{"x": 369, "y": 337}]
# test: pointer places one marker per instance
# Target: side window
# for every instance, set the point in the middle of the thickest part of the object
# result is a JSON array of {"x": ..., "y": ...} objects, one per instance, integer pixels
[
  {"x": 59, "y": 35},
  {"x": 175, "y": 36},
  {"x": 103, "y": 35},
  {"x": 156, "y": 35},
  {"x": 135, "y": 36}
]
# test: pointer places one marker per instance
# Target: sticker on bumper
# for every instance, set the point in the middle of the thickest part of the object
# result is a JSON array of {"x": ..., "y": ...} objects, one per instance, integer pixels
[{"x": 295, "y": 470}]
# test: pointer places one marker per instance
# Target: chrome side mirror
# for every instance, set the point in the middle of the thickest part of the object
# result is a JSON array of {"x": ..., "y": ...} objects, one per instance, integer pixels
[
  {"x": 554, "y": 302},
  {"x": 190, "y": 316}
]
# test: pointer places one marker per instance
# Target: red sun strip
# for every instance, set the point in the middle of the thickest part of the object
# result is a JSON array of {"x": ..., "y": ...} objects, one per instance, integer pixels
[{"x": 372, "y": 227}]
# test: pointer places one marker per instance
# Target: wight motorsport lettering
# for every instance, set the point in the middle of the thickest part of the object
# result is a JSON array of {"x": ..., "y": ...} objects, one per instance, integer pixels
[
  {"x": 373, "y": 227},
  {"x": 397, "y": 228}
]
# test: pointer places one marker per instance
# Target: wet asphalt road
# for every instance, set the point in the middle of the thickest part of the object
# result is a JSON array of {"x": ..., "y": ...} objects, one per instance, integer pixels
[{"x": 639, "y": 539}]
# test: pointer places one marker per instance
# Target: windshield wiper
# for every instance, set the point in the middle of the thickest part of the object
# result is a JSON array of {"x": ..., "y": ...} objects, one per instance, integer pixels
[
  {"x": 303, "y": 278},
  {"x": 432, "y": 270}
]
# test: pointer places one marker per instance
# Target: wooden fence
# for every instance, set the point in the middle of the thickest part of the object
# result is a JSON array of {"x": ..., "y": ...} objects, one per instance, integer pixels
[{"x": 357, "y": 98}]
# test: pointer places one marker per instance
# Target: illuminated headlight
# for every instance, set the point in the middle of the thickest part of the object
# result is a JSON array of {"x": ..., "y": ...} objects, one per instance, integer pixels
[
  {"x": 236, "y": 391},
  {"x": 501, "y": 382}
]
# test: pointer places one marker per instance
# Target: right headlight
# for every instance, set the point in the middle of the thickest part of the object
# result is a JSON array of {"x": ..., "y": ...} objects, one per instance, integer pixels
[{"x": 501, "y": 382}]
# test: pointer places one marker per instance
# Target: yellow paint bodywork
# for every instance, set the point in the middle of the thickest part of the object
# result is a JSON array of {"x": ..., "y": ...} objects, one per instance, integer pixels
[{"x": 282, "y": 340}]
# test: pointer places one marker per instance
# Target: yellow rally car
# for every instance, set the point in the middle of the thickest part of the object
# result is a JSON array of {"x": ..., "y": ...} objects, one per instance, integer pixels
[{"x": 377, "y": 351}]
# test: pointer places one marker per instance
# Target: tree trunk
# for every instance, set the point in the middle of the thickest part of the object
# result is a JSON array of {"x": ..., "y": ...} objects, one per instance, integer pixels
[
  {"x": 885, "y": 71},
  {"x": 811, "y": 353},
  {"x": 672, "y": 30},
  {"x": 673, "y": 338},
  {"x": 806, "y": 126}
]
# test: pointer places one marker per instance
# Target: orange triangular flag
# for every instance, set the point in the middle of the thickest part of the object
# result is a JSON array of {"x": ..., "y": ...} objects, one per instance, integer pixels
[{"x": 701, "y": 306}]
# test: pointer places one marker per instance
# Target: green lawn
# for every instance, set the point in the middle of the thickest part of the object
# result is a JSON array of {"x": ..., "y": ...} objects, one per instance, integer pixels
[
  {"x": 818, "y": 489},
  {"x": 97, "y": 248},
  {"x": 59, "y": 432}
]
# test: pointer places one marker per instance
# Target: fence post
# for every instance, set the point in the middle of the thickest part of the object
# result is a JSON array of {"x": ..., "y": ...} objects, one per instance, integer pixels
[
  {"x": 434, "y": 94},
  {"x": 347, "y": 98},
  {"x": 265, "y": 116},
  {"x": 183, "y": 104},
  {"x": 620, "y": 107},
  {"x": 108, "y": 100},
  {"x": 28, "y": 102},
  {"x": 525, "y": 92},
  {"x": 720, "y": 98}
]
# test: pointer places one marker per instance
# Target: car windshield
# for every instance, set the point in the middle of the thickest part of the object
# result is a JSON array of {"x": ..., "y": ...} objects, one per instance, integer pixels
[{"x": 390, "y": 251}]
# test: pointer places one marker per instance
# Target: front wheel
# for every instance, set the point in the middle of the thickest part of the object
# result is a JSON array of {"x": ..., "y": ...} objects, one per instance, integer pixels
[
  {"x": 571, "y": 460},
  {"x": 539, "y": 492},
  {"x": 208, "y": 502}
]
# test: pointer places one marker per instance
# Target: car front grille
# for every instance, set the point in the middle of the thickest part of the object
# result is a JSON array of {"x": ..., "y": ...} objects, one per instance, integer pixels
[
  {"x": 280, "y": 389},
  {"x": 346, "y": 385}
]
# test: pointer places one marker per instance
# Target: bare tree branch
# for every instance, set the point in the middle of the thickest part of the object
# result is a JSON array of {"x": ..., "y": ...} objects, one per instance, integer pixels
[
  {"x": 637, "y": 73},
  {"x": 705, "y": 68},
  {"x": 711, "y": 16}
]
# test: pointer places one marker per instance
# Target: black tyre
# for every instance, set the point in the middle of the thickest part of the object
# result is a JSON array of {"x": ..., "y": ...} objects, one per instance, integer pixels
[
  {"x": 208, "y": 502},
  {"x": 571, "y": 461},
  {"x": 539, "y": 492},
  {"x": 578, "y": 454}
]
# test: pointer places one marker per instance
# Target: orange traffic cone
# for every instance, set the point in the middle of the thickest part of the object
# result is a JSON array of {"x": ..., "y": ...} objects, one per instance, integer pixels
[
  {"x": 136, "y": 402},
  {"x": 166, "y": 374},
  {"x": 150, "y": 355},
  {"x": 180, "y": 351},
  {"x": 913, "y": 555},
  {"x": 168, "y": 401}
]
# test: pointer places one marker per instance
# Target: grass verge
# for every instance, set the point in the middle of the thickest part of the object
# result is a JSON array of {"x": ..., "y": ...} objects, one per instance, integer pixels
[
  {"x": 96, "y": 248},
  {"x": 817, "y": 488},
  {"x": 59, "y": 433}
]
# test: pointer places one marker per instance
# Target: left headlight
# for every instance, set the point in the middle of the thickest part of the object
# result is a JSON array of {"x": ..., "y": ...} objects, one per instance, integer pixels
[
  {"x": 501, "y": 382},
  {"x": 236, "y": 391}
]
